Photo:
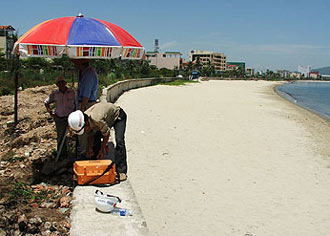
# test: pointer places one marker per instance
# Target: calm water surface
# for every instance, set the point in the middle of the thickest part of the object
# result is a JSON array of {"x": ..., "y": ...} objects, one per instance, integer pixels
[{"x": 314, "y": 96}]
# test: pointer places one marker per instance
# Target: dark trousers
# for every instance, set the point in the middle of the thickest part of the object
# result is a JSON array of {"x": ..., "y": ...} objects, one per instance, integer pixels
[{"x": 120, "y": 149}]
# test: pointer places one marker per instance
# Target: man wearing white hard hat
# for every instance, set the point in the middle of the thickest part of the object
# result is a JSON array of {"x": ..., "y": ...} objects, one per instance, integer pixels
[
  {"x": 101, "y": 117},
  {"x": 64, "y": 99}
]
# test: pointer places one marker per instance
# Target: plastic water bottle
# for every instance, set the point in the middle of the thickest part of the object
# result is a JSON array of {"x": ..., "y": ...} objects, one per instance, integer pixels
[{"x": 121, "y": 211}]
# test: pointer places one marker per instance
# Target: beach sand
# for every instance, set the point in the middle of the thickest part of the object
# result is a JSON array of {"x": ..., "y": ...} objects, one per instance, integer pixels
[{"x": 227, "y": 158}]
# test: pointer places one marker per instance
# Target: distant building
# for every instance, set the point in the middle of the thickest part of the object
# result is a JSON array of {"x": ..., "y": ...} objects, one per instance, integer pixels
[
  {"x": 156, "y": 48},
  {"x": 168, "y": 60},
  {"x": 206, "y": 58},
  {"x": 232, "y": 64},
  {"x": 327, "y": 77},
  {"x": 284, "y": 73},
  {"x": 232, "y": 67},
  {"x": 260, "y": 73},
  {"x": 6, "y": 40},
  {"x": 184, "y": 64},
  {"x": 295, "y": 75},
  {"x": 250, "y": 71},
  {"x": 305, "y": 70},
  {"x": 314, "y": 75}
]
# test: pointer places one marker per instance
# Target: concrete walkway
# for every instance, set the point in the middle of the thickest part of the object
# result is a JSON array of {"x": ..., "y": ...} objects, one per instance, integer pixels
[{"x": 85, "y": 220}]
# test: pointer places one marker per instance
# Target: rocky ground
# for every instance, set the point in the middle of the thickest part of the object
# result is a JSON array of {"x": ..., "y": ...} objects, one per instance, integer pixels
[{"x": 35, "y": 190}]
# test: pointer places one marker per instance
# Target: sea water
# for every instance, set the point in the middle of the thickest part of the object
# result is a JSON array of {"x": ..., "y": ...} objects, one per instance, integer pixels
[{"x": 314, "y": 96}]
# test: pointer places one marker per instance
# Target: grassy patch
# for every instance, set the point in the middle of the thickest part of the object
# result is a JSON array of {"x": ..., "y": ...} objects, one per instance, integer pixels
[
  {"x": 178, "y": 82},
  {"x": 24, "y": 193},
  {"x": 21, "y": 191}
]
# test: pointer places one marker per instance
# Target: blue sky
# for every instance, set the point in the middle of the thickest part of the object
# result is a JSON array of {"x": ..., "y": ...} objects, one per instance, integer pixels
[{"x": 266, "y": 34}]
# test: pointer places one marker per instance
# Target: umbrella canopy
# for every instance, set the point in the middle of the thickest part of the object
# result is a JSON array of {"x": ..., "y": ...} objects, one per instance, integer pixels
[{"x": 78, "y": 37}]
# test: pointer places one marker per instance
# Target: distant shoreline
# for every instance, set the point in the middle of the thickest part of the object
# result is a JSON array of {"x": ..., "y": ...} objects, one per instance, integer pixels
[{"x": 263, "y": 79}]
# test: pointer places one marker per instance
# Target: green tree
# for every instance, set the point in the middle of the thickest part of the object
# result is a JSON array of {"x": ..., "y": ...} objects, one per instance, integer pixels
[
  {"x": 63, "y": 62},
  {"x": 188, "y": 70},
  {"x": 145, "y": 69},
  {"x": 198, "y": 65},
  {"x": 36, "y": 63},
  {"x": 208, "y": 70}
]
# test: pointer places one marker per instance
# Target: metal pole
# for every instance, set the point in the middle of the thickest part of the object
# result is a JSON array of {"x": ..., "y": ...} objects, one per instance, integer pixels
[
  {"x": 72, "y": 79},
  {"x": 61, "y": 145}
]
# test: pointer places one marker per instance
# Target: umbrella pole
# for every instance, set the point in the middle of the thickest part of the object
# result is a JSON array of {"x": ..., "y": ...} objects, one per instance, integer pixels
[{"x": 72, "y": 78}]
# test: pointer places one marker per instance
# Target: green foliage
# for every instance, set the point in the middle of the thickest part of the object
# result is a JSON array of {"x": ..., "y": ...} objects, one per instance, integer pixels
[
  {"x": 108, "y": 79},
  {"x": 208, "y": 70},
  {"x": 5, "y": 91},
  {"x": 166, "y": 73},
  {"x": 239, "y": 73},
  {"x": 6, "y": 84},
  {"x": 4, "y": 64},
  {"x": 40, "y": 71},
  {"x": 23, "y": 192},
  {"x": 63, "y": 63},
  {"x": 36, "y": 63},
  {"x": 178, "y": 82},
  {"x": 30, "y": 78}
]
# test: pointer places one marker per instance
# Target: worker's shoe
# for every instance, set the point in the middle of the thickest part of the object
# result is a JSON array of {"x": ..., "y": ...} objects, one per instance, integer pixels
[{"x": 122, "y": 177}]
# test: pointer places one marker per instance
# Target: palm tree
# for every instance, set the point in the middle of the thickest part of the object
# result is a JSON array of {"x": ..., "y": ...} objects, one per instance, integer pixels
[{"x": 188, "y": 69}]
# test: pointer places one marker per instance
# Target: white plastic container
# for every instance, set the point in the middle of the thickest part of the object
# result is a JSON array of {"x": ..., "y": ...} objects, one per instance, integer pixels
[{"x": 104, "y": 202}]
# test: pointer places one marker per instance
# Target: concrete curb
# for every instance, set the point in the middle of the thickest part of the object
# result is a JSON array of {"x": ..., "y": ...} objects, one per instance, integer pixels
[
  {"x": 85, "y": 220},
  {"x": 113, "y": 92}
]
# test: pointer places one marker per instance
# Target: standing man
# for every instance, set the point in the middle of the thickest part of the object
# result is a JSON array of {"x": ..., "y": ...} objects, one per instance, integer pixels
[
  {"x": 87, "y": 94},
  {"x": 101, "y": 117},
  {"x": 88, "y": 84},
  {"x": 64, "y": 99}
]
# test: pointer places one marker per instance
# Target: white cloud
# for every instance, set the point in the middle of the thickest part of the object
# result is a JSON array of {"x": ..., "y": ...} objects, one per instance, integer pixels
[
  {"x": 272, "y": 49},
  {"x": 286, "y": 49},
  {"x": 169, "y": 45}
]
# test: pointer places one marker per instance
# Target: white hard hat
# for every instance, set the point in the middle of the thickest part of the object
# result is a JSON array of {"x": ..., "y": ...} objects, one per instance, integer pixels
[
  {"x": 105, "y": 203},
  {"x": 76, "y": 122}
]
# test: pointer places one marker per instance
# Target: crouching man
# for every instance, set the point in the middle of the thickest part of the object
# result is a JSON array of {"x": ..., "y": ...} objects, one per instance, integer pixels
[{"x": 101, "y": 117}]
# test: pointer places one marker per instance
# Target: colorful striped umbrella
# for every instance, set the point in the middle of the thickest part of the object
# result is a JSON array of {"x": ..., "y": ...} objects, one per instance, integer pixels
[{"x": 78, "y": 37}]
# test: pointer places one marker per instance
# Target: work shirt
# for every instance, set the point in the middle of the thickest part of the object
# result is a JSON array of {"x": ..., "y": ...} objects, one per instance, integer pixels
[
  {"x": 102, "y": 116},
  {"x": 64, "y": 102},
  {"x": 88, "y": 85}
]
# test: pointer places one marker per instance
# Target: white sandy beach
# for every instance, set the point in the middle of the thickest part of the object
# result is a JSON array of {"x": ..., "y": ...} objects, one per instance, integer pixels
[{"x": 227, "y": 158}]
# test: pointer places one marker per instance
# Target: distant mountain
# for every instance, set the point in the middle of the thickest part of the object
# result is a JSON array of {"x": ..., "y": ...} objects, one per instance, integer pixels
[{"x": 323, "y": 70}]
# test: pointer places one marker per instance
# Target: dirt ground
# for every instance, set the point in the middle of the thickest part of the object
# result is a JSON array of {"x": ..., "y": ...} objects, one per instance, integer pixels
[{"x": 35, "y": 192}]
